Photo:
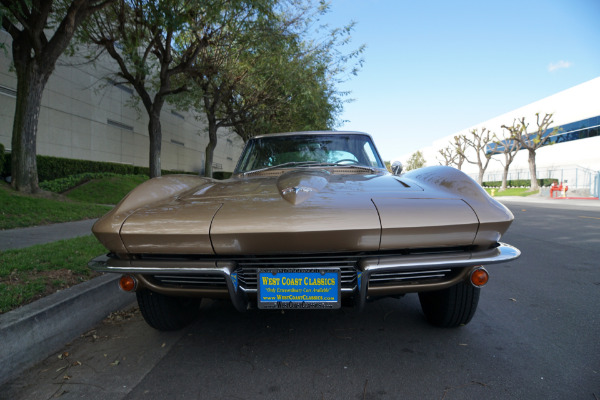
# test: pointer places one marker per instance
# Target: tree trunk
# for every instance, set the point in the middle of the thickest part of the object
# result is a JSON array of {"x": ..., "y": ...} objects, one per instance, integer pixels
[
  {"x": 155, "y": 134},
  {"x": 480, "y": 176},
  {"x": 210, "y": 147},
  {"x": 532, "y": 170},
  {"x": 504, "y": 178},
  {"x": 31, "y": 80}
]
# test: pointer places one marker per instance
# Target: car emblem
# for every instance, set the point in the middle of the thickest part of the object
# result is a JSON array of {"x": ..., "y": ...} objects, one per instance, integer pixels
[
  {"x": 297, "y": 187},
  {"x": 297, "y": 194},
  {"x": 296, "y": 190}
]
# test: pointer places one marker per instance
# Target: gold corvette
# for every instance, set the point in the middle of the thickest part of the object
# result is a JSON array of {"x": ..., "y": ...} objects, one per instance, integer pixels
[{"x": 309, "y": 220}]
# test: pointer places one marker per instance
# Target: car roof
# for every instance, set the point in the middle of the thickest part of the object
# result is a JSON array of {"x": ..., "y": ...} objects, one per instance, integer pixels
[{"x": 311, "y": 133}]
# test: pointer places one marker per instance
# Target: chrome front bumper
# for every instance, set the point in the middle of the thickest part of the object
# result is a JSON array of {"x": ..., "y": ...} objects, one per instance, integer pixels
[{"x": 366, "y": 268}]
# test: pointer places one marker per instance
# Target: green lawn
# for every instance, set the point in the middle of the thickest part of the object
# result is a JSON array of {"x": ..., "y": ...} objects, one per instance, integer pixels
[
  {"x": 34, "y": 272},
  {"x": 523, "y": 192},
  {"x": 18, "y": 210},
  {"x": 88, "y": 200},
  {"x": 106, "y": 190}
]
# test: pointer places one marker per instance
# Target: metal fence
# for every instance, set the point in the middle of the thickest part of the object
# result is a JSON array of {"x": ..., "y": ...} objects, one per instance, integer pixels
[
  {"x": 576, "y": 177},
  {"x": 595, "y": 192}
]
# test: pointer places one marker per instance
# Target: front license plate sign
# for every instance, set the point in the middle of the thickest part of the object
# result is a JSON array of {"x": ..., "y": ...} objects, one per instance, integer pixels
[{"x": 298, "y": 288}]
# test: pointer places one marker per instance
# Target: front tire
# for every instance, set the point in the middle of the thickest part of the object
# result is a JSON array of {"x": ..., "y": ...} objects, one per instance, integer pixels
[
  {"x": 167, "y": 313},
  {"x": 450, "y": 307}
]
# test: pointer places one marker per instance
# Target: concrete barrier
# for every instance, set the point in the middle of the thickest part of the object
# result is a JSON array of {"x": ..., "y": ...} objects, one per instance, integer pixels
[{"x": 31, "y": 333}]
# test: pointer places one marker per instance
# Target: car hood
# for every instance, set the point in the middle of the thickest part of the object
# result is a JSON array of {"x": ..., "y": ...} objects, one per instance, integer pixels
[{"x": 301, "y": 211}]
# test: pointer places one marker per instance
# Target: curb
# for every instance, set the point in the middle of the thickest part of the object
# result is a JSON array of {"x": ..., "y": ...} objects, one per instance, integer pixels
[
  {"x": 33, "y": 332},
  {"x": 574, "y": 198},
  {"x": 544, "y": 202}
]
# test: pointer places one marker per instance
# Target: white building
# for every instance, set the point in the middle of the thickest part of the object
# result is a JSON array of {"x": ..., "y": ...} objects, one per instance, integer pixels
[
  {"x": 574, "y": 158},
  {"x": 85, "y": 116}
]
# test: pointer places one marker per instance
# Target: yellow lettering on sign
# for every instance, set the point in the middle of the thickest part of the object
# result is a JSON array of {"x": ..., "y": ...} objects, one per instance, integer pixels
[
  {"x": 291, "y": 281},
  {"x": 319, "y": 281},
  {"x": 270, "y": 281}
]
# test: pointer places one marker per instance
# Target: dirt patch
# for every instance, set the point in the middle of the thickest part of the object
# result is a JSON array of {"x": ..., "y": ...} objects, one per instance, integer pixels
[
  {"x": 44, "y": 194},
  {"x": 40, "y": 194},
  {"x": 80, "y": 184},
  {"x": 118, "y": 317}
]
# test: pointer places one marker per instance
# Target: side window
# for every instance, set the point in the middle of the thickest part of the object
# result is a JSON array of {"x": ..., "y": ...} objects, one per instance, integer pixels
[{"x": 370, "y": 155}]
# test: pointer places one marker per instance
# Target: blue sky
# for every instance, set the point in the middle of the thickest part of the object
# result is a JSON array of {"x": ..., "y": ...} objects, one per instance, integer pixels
[{"x": 433, "y": 68}]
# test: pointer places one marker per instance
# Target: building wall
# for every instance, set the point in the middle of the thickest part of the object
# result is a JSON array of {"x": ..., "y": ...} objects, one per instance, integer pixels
[
  {"x": 577, "y": 103},
  {"x": 85, "y": 116}
]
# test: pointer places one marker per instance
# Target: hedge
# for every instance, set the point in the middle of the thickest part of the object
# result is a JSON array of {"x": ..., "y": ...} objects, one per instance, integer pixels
[
  {"x": 222, "y": 175},
  {"x": 61, "y": 185},
  {"x": 52, "y": 168},
  {"x": 2, "y": 157},
  {"x": 520, "y": 183}
]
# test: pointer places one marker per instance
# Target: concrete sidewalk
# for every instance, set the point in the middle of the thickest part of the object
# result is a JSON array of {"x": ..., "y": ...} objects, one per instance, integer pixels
[
  {"x": 25, "y": 237},
  {"x": 33, "y": 332}
]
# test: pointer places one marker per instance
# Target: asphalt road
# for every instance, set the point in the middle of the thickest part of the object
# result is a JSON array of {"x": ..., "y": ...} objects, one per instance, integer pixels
[{"x": 536, "y": 335}]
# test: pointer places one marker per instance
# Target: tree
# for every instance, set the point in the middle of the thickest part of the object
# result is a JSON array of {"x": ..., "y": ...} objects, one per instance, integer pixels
[
  {"x": 296, "y": 97},
  {"x": 478, "y": 141},
  {"x": 509, "y": 147},
  {"x": 144, "y": 38},
  {"x": 449, "y": 155},
  {"x": 388, "y": 165},
  {"x": 459, "y": 146},
  {"x": 223, "y": 78},
  {"x": 415, "y": 161},
  {"x": 41, "y": 31},
  {"x": 532, "y": 141},
  {"x": 262, "y": 76}
]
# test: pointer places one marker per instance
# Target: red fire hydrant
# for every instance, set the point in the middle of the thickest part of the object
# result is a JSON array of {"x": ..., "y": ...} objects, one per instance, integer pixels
[{"x": 562, "y": 189}]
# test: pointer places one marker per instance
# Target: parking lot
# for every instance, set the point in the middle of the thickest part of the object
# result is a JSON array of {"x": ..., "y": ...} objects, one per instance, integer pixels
[{"x": 534, "y": 336}]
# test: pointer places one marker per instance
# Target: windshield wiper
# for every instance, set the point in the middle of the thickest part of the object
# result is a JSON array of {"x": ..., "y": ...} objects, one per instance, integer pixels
[
  {"x": 310, "y": 164},
  {"x": 285, "y": 165}
]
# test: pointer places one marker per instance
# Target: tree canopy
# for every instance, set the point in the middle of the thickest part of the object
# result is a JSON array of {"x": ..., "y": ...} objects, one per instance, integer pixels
[
  {"x": 263, "y": 76},
  {"x": 154, "y": 44},
  {"x": 415, "y": 161}
]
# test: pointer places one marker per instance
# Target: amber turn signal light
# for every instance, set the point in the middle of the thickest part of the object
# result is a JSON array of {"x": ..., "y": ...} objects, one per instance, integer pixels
[
  {"x": 127, "y": 283},
  {"x": 479, "y": 277}
]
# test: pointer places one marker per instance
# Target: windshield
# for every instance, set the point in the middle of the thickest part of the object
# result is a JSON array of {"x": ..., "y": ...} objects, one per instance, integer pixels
[{"x": 266, "y": 152}]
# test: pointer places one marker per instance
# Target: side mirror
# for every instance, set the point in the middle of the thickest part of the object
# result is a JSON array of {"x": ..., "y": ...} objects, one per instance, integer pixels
[{"x": 397, "y": 168}]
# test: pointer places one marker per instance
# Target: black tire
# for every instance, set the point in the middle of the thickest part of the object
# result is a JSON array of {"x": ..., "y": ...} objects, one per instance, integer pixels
[
  {"x": 167, "y": 313},
  {"x": 450, "y": 307}
]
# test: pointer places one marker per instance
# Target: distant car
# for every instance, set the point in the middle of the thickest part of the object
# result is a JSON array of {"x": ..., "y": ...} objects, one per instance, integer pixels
[{"x": 309, "y": 220}]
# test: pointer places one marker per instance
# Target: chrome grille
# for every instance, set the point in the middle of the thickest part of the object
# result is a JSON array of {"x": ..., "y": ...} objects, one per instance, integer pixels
[
  {"x": 191, "y": 281},
  {"x": 247, "y": 269},
  {"x": 397, "y": 278},
  {"x": 348, "y": 264}
]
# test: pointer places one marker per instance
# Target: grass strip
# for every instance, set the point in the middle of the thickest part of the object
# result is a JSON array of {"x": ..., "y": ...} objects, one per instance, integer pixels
[
  {"x": 18, "y": 210},
  {"x": 108, "y": 190},
  {"x": 37, "y": 271},
  {"x": 69, "y": 182},
  {"x": 522, "y": 192}
]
